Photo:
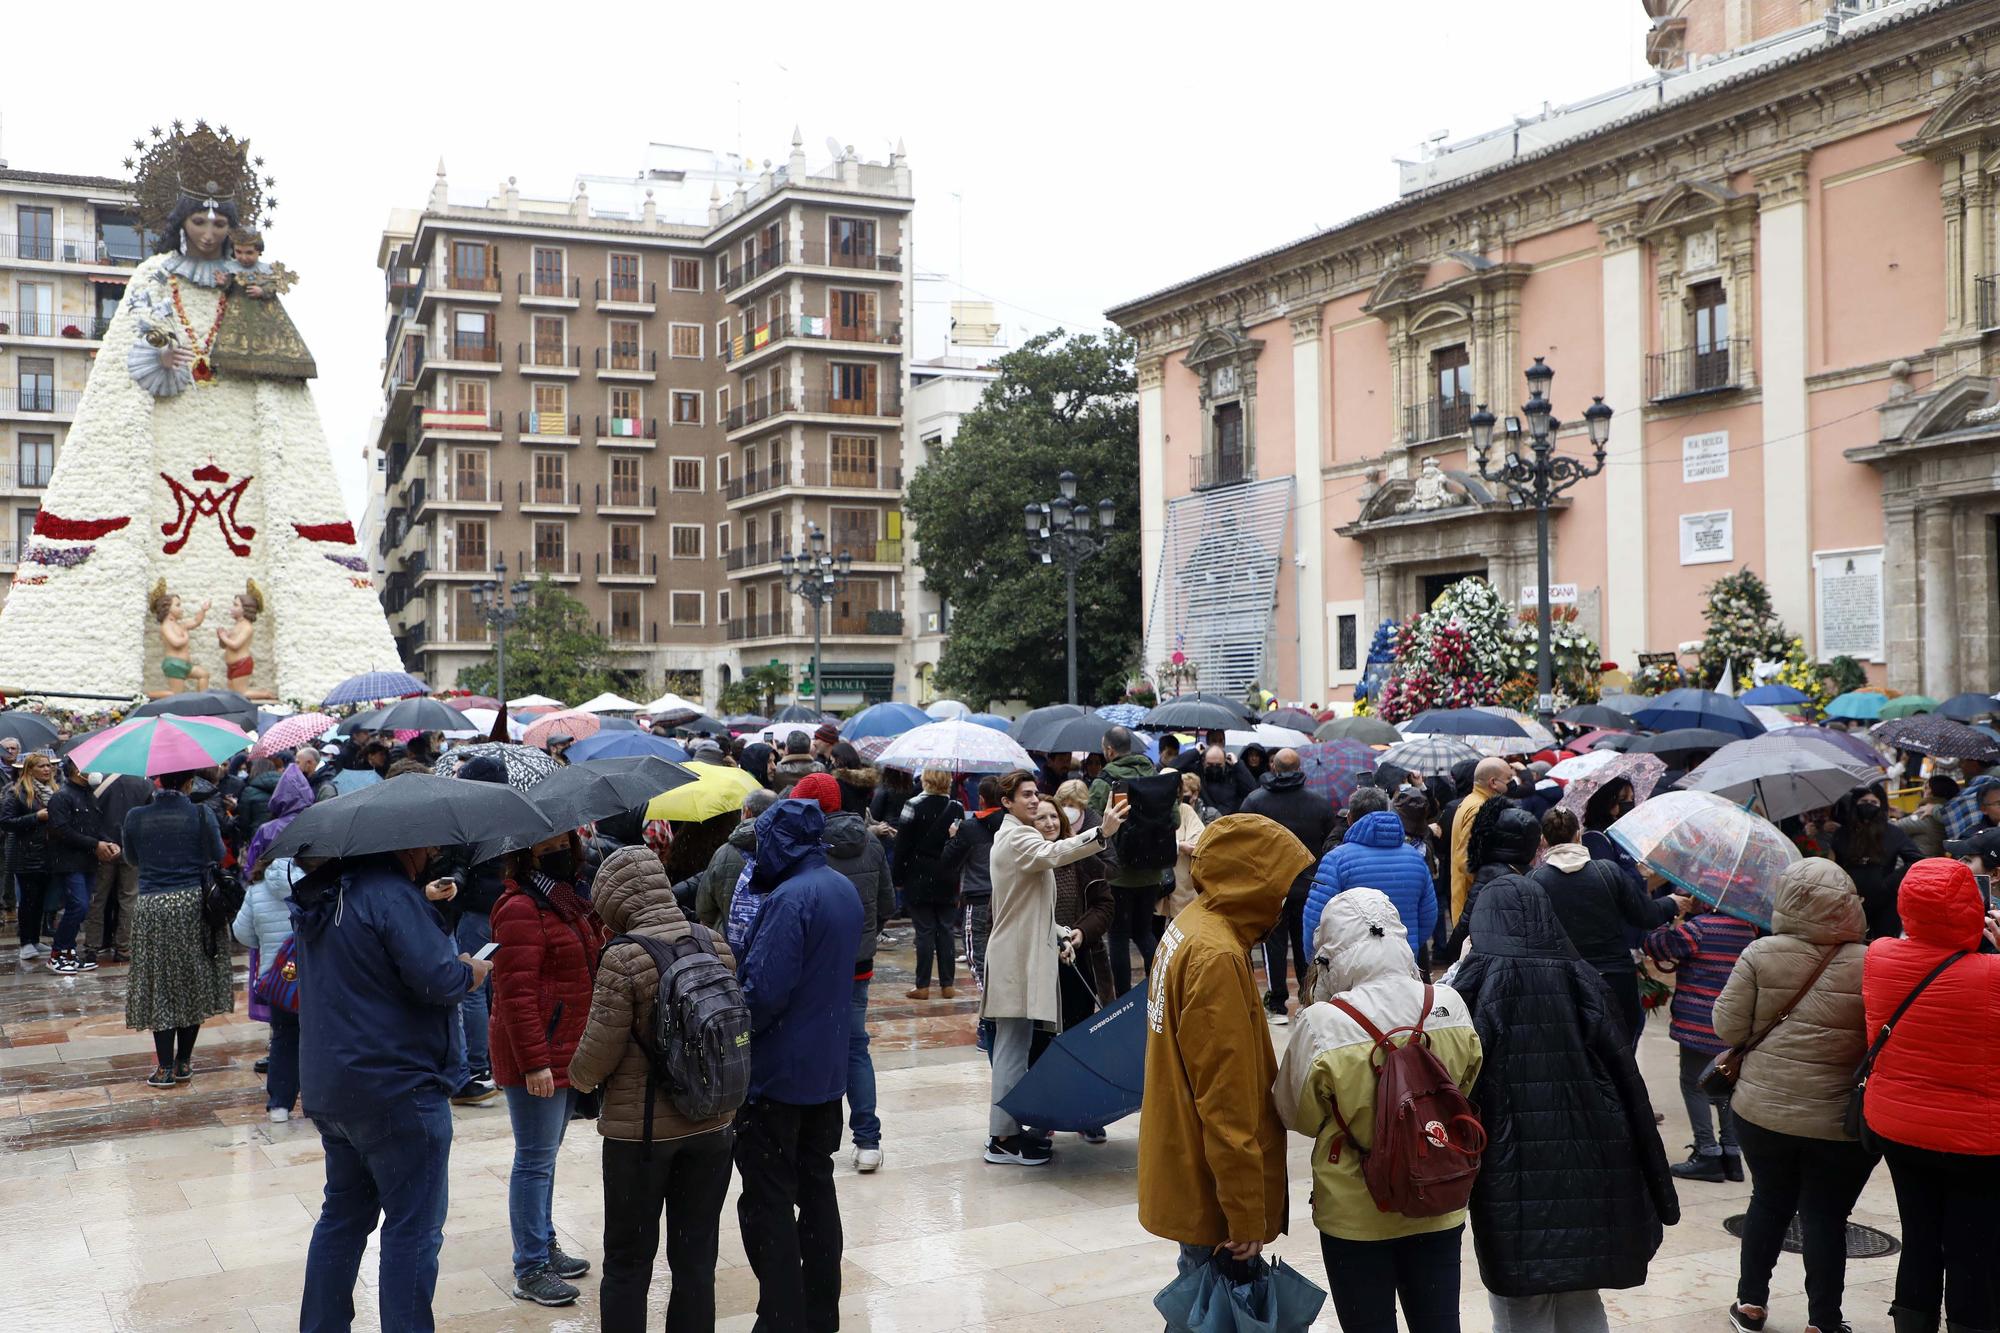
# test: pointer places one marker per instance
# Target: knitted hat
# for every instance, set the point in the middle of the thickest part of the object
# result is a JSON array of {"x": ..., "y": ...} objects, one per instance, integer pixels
[
  {"x": 827, "y": 732},
  {"x": 818, "y": 787}
]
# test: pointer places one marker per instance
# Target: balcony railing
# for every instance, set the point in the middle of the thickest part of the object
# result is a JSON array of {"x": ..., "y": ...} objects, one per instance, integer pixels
[
  {"x": 530, "y": 424},
  {"x": 560, "y": 289},
  {"x": 534, "y": 493},
  {"x": 453, "y": 489},
  {"x": 851, "y": 478},
  {"x": 26, "y": 476},
  {"x": 752, "y": 269},
  {"x": 628, "y": 564},
  {"x": 472, "y": 282},
  {"x": 628, "y": 428},
  {"x": 529, "y": 356},
  {"x": 1437, "y": 419},
  {"x": 40, "y": 324},
  {"x": 889, "y": 332},
  {"x": 630, "y": 633},
  {"x": 433, "y": 419},
  {"x": 756, "y": 483},
  {"x": 867, "y": 622},
  {"x": 776, "y": 625},
  {"x": 1208, "y": 471},
  {"x": 642, "y": 360},
  {"x": 60, "y": 402},
  {"x": 1691, "y": 371},
  {"x": 555, "y": 564},
  {"x": 749, "y": 557},
  {"x": 465, "y": 347},
  {"x": 758, "y": 409},
  {"x": 417, "y": 564},
  {"x": 627, "y": 497},
  {"x": 883, "y": 403},
  {"x": 628, "y": 293},
  {"x": 882, "y": 551},
  {"x": 817, "y": 252},
  {"x": 47, "y": 250}
]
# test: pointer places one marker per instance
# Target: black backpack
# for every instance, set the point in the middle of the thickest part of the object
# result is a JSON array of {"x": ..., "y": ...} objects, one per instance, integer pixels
[
  {"x": 698, "y": 1047},
  {"x": 1147, "y": 840}
]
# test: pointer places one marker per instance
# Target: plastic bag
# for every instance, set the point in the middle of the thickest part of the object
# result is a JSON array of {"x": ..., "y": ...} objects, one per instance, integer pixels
[{"x": 1228, "y": 1296}]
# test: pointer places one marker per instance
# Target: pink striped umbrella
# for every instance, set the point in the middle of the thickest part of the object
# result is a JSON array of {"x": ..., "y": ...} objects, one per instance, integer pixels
[
  {"x": 169, "y": 743},
  {"x": 571, "y": 722},
  {"x": 291, "y": 733}
]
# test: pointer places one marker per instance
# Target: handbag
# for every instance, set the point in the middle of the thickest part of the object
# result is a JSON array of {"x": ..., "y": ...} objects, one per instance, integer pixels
[
  {"x": 1853, "y": 1122},
  {"x": 1718, "y": 1079},
  {"x": 278, "y": 984}
]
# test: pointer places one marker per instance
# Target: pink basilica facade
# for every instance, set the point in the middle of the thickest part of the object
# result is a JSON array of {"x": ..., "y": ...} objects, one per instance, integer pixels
[{"x": 1776, "y": 259}]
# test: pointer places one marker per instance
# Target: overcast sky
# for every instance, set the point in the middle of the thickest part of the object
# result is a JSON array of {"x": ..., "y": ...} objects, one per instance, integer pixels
[{"x": 1086, "y": 152}]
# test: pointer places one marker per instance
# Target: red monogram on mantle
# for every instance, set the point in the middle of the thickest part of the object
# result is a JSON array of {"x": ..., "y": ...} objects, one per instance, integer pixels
[{"x": 191, "y": 505}]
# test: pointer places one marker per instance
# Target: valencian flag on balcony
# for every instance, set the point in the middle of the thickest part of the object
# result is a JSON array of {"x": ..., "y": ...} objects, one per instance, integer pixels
[
  {"x": 737, "y": 346},
  {"x": 548, "y": 423}
]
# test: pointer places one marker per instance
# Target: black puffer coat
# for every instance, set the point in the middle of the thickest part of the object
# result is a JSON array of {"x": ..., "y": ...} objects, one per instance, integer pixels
[{"x": 1574, "y": 1185}]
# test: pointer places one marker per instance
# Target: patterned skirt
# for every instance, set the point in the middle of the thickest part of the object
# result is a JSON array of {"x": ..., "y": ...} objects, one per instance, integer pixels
[{"x": 175, "y": 982}]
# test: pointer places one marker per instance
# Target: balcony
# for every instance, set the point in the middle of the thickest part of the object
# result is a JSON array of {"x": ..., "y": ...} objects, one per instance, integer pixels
[
  {"x": 638, "y": 431},
  {"x": 750, "y": 557},
  {"x": 448, "y": 421},
  {"x": 866, "y": 622},
  {"x": 823, "y": 476},
  {"x": 1692, "y": 371},
  {"x": 756, "y": 483},
  {"x": 48, "y": 250},
  {"x": 562, "y": 566},
  {"x": 474, "y": 284},
  {"x": 628, "y": 499},
  {"x": 637, "y": 297},
  {"x": 416, "y": 565},
  {"x": 628, "y": 635},
  {"x": 628, "y": 566},
  {"x": 883, "y": 551},
  {"x": 617, "y": 363},
  {"x": 1230, "y": 468},
  {"x": 33, "y": 476},
  {"x": 748, "y": 346},
  {"x": 459, "y": 493},
  {"x": 777, "y": 625},
  {"x": 1437, "y": 419},
  {"x": 461, "y": 352},
  {"x": 883, "y": 403},
  {"x": 536, "y": 498},
  {"x": 758, "y": 409},
  {"x": 752, "y": 269},
  {"x": 548, "y": 427},
  {"x": 542, "y": 359},
  {"x": 39, "y": 402},
  {"x": 400, "y": 285},
  {"x": 41, "y": 324},
  {"x": 821, "y": 255},
  {"x": 559, "y": 293}
]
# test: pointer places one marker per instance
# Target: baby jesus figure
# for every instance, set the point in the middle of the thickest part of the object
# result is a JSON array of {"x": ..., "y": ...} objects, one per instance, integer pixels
[{"x": 256, "y": 337}]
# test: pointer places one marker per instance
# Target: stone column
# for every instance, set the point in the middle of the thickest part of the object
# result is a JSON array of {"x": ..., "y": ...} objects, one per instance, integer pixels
[
  {"x": 1625, "y": 307},
  {"x": 1902, "y": 643},
  {"x": 1939, "y": 594},
  {"x": 1309, "y": 522},
  {"x": 1784, "y": 300},
  {"x": 1152, "y": 497}
]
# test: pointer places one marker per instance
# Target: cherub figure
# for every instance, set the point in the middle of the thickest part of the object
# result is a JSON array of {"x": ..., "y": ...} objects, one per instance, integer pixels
[
  {"x": 246, "y": 272},
  {"x": 182, "y": 675},
  {"x": 244, "y": 608}
]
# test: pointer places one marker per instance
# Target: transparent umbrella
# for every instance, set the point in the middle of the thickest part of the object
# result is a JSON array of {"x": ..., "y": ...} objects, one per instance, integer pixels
[{"x": 1713, "y": 848}]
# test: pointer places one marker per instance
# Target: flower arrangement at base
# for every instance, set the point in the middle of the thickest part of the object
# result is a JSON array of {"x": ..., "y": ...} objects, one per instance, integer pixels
[
  {"x": 1142, "y": 693},
  {"x": 1578, "y": 662},
  {"x": 1660, "y": 678},
  {"x": 1805, "y": 676},
  {"x": 1743, "y": 629},
  {"x": 1470, "y": 649}
]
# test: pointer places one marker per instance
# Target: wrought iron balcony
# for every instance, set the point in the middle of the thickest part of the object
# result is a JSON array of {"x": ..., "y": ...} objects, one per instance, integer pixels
[
  {"x": 776, "y": 625},
  {"x": 1437, "y": 419},
  {"x": 42, "y": 324},
  {"x": 59, "y": 402},
  {"x": 1228, "y": 468},
  {"x": 1694, "y": 370}
]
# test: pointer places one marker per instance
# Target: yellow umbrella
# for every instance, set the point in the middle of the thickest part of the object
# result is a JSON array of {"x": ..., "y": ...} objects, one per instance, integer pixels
[{"x": 717, "y": 789}]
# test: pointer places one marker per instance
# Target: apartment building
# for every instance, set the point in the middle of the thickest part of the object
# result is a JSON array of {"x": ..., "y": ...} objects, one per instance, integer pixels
[
  {"x": 67, "y": 245},
  {"x": 943, "y": 389},
  {"x": 650, "y": 393}
]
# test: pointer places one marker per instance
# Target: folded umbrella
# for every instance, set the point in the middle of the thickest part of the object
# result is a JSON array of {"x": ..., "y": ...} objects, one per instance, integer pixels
[
  {"x": 372, "y": 685},
  {"x": 1713, "y": 848},
  {"x": 1939, "y": 737},
  {"x": 415, "y": 810},
  {"x": 1334, "y": 769},
  {"x": 1034, "y": 727},
  {"x": 151, "y": 746},
  {"x": 1687, "y": 709},
  {"x": 1368, "y": 730},
  {"x": 1224, "y": 1295},
  {"x": 1089, "y": 1076}
]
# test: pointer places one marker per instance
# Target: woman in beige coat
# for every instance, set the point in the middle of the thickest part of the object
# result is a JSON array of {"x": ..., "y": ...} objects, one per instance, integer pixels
[
  {"x": 1791, "y": 1099},
  {"x": 1025, "y": 949}
]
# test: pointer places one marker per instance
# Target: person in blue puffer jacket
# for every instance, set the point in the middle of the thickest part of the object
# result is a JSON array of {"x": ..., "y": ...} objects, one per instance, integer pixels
[{"x": 1376, "y": 855}]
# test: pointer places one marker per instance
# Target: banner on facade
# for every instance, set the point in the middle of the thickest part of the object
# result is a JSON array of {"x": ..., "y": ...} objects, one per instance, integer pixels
[
  {"x": 1705, "y": 457},
  {"x": 1560, "y": 594},
  {"x": 1708, "y": 539},
  {"x": 1848, "y": 602}
]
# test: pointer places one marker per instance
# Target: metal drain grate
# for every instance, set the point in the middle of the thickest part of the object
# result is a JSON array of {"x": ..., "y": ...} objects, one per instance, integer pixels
[{"x": 1862, "y": 1242}]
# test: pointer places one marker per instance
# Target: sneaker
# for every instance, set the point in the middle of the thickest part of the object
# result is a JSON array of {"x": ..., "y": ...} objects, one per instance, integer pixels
[
  {"x": 183, "y": 1071},
  {"x": 63, "y": 961},
  {"x": 867, "y": 1160},
  {"x": 883, "y": 940},
  {"x": 543, "y": 1287},
  {"x": 30, "y": 952},
  {"x": 474, "y": 1093},
  {"x": 1278, "y": 1017},
  {"x": 278, "y": 1115},
  {"x": 1093, "y": 1136},
  {"x": 566, "y": 1266},
  {"x": 160, "y": 1078},
  {"x": 1017, "y": 1150},
  {"x": 1743, "y": 1321},
  {"x": 1700, "y": 1167},
  {"x": 86, "y": 961},
  {"x": 1732, "y": 1166}
]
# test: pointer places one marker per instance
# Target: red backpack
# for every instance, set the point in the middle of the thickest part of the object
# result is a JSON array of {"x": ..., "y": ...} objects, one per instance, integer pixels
[{"x": 1427, "y": 1138}]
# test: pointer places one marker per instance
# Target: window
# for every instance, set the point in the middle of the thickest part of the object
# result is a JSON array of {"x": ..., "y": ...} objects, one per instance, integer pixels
[
  {"x": 1711, "y": 334},
  {"x": 722, "y": 340},
  {"x": 722, "y": 462},
  {"x": 625, "y": 344},
  {"x": 851, "y": 238},
  {"x": 624, "y": 277},
  {"x": 551, "y": 548},
  {"x": 750, "y": 530},
  {"x": 109, "y": 297},
  {"x": 853, "y": 460},
  {"x": 722, "y": 403},
  {"x": 722, "y": 546},
  {"x": 551, "y": 415},
  {"x": 686, "y": 341},
  {"x": 35, "y": 376},
  {"x": 472, "y": 336},
  {"x": 684, "y": 275},
  {"x": 468, "y": 396},
  {"x": 1228, "y": 422},
  {"x": 722, "y": 607},
  {"x": 684, "y": 608},
  {"x": 853, "y": 531},
  {"x": 37, "y": 316},
  {"x": 721, "y": 272},
  {"x": 625, "y": 481},
  {"x": 1349, "y": 653},
  {"x": 24, "y": 527},
  {"x": 1451, "y": 373},
  {"x": 551, "y": 479},
  {"x": 625, "y": 615},
  {"x": 469, "y": 546},
  {"x": 687, "y": 407},
  {"x": 687, "y": 474},
  {"x": 468, "y": 625},
  {"x": 548, "y": 271},
  {"x": 853, "y": 604},
  {"x": 471, "y": 266},
  {"x": 36, "y": 232},
  {"x": 624, "y": 548},
  {"x": 469, "y": 474},
  {"x": 625, "y": 405},
  {"x": 853, "y": 388},
  {"x": 37, "y": 455},
  {"x": 549, "y": 340},
  {"x": 119, "y": 238},
  {"x": 853, "y": 314},
  {"x": 686, "y": 539}
]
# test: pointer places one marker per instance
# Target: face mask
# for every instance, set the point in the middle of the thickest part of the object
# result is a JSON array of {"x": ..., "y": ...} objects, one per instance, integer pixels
[
  {"x": 559, "y": 864},
  {"x": 1215, "y": 770},
  {"x": 1869, "y": 810}
]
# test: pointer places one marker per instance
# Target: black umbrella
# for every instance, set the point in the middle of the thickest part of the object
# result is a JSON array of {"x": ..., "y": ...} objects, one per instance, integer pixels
[
  {"x": 1298, "y": 719},
  {"x": 1076, "y": 733},
  {"x": 1596, "y": 716},
  {"x": 745, "y": 722},
  {"x": 1939, "y": 737},
  {"x": 1622, "y": 741},
  {"x": 422, "y": 715},
  {"x": 1032, "y": 729},
  {"x": 34, "y": 731},
  {"x": 701, "y": 724},
  {"x": 1367, "y": 730},
  {"x": 589, "y": 791},
  {"x": 616, "y": 724},
  {"x": 1191, "y": 713},
  {"x": 225, "y": 704},
  {"x": 368, "y": 721},
  {"x": 414, "y": 810},
  {"x": 1463, "y": 722},
  {"x": 1684, "y": 741},
  {"x": 1236, "y": 706},
  {"x": 796, "y": 713}
]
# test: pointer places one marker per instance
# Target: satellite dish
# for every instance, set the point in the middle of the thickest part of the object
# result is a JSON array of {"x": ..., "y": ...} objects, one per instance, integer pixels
[{"x": 833, "y": 146}]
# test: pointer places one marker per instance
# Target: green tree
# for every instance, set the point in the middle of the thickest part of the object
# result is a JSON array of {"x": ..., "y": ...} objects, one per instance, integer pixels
[
  {"x": 757, "y": 689},
  {"x": 1061, "y": 402},
  {"x": 553, "y": 649}
]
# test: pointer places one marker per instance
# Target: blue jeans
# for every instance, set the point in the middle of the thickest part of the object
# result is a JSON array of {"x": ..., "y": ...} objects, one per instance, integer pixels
[
  {"x": 474, "y": 932},
  {"x": 75, "y": 890},
  {"x": 862, "y": 1121},
  {"x": 1700, "y": 1105},
  {"x": 281, "y": 1084},
  {"x": 395, "y": 1166},
  {"x": 539, "y": 1125}
]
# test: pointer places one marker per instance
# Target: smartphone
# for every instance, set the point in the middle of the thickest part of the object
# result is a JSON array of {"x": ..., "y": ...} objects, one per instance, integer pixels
[{"x": 486, "y": 950}]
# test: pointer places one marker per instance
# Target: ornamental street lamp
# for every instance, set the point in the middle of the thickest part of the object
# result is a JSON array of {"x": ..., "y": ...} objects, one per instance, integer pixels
[
  {"x": 1060, "y": 530},
  {"x": 817, "y": 576},
  {"x": 1536, "y": 477},
  {"x": 490, "y": 604}
]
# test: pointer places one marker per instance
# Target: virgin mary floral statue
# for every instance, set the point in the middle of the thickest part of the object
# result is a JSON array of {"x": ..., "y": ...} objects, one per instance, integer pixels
[{"x": 196, "y": 468}]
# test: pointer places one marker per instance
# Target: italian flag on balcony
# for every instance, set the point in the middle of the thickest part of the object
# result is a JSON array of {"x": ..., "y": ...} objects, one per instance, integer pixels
[
  {"x": 624, "y": 426},
  {"x": 813, "y": 326}
]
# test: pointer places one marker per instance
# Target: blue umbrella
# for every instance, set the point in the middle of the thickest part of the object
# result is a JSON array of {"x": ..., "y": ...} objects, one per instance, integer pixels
[
  {"x": 883, "y": 719},
  {"x": 372, "y": 685},
  {"x": 993, "y": 720},
  {"x": 1091, "y": 1075},
  {"x": 1124, "y": 715},
  {"x": 1966, "y": 707},
  {"x": 1691, "y": 708},
  {"x": 1775, "y": 695},
  {"x": 626, "y": 745},
  {"x": 1857, "y": 706}
]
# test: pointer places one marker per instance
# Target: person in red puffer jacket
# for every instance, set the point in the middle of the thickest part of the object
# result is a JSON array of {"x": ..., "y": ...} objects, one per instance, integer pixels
[
  {"x": 543, "y": 972},
  {"x": 1934, "y": 1096}
]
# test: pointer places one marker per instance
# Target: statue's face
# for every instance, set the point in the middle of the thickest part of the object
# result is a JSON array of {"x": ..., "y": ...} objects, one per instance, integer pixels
[
  {"x": 174, "y": 606},
  {"x": 206, "y": 233},
  {"x": 236, "y": 607}
]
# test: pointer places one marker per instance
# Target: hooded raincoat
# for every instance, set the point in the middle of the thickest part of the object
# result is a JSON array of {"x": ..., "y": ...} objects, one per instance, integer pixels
[
  {"x": 1362, "y": 953},
  {"x": 1211, "y": 1148}
]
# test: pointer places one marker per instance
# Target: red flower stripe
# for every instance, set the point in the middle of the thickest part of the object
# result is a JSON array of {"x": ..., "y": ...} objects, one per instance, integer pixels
[
  {"x": 326, "y": 532},
  {"x": 75, "y": 529}
]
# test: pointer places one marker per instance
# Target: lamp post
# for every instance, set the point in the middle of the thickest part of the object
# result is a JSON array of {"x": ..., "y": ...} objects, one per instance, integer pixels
[
  {"x": 1536, "y": 478},
  {"x": 490, "y": 603},
  {"x": 815, "y": 575},
  {"x": 1060, "y": 530}
]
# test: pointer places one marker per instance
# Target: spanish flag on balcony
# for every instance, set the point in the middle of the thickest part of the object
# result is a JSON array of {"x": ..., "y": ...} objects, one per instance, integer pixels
[{"x": 759, "y": 336}]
